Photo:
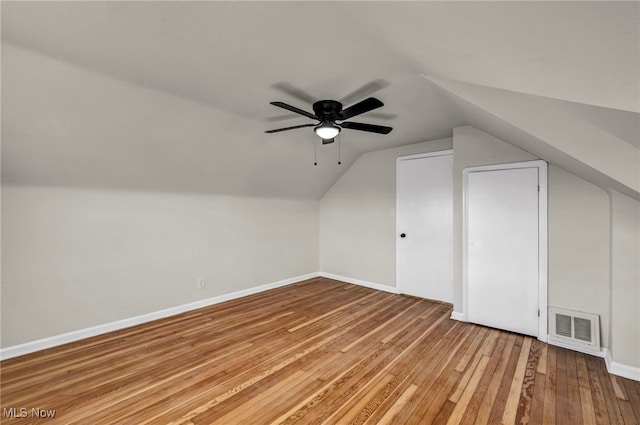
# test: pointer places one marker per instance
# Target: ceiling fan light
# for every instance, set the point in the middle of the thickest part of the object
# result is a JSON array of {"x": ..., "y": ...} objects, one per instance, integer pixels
[{"x": 327, "y": 130}]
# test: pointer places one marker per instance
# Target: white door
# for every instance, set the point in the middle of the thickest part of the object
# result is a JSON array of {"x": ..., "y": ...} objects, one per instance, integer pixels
[
  {"x": 424, "y": 226},
  {"x": 502, "y": 225}
]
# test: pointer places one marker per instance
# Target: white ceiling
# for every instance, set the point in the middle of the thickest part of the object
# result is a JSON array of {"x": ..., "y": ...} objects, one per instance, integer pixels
[{"x": 175, "y": 95}]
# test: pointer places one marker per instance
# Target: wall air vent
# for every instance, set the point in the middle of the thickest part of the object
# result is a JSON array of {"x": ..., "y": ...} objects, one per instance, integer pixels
[{"x": 574, "y": 329}]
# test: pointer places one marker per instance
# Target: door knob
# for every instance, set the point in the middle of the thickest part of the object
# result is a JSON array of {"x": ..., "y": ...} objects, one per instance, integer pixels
[{"x": 403, "y": 235}]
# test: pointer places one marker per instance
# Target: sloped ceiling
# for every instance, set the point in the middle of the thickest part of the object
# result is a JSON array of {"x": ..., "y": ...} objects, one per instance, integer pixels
[
  {"x": 557, "y": 130},
  {"x": 175, "y": 95}
]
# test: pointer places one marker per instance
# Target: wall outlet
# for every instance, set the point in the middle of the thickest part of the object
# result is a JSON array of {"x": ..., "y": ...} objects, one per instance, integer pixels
[{"x": 200, "y": 283}]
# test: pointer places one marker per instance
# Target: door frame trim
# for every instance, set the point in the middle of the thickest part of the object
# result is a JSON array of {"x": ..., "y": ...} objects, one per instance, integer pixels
[
  {"x": 398, "y": 160},
  {"x": 542, "y": 237}
]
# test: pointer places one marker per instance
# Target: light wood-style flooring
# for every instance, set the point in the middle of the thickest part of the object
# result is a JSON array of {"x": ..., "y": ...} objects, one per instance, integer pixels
[{"x": 316, "y": 352}]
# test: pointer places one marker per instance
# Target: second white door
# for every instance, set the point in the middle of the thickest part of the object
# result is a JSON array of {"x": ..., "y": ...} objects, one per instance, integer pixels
[
  {"x": 502, "y": 225},
  {"x": 424, "y": 226}
]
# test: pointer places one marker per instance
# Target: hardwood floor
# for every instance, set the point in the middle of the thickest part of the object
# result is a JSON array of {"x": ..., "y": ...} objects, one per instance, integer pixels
[{"x": 317, "y": 352}]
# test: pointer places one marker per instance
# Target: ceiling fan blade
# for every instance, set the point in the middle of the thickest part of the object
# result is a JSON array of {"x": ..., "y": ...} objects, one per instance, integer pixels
[
  {"x": 290, "y": 128},
  {"x": 294, "y": 109},
  {"x": 294, "y": 92},
  {"x": 366, "y": 105},
  {"x": 366, "y": 90},
  {"x": 366, "y": 127}
]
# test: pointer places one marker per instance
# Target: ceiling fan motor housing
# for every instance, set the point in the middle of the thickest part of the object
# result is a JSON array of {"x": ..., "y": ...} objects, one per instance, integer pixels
[{"x": 327, "y": 110}]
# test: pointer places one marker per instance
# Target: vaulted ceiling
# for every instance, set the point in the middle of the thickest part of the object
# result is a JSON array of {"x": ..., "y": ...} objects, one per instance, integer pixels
[{"x": 175, "y": 95}]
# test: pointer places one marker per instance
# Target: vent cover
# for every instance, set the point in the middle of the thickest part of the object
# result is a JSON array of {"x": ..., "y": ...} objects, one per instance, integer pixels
[
  {"x": 575, "y": 329},
  {"x": 563, "y": 325}
]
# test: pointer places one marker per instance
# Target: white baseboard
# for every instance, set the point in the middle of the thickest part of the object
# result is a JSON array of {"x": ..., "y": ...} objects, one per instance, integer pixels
[
  {"x": 456, "y": 315},
  {"x": 376, "y": 286},
  {"x": 53, "y": 341},
  {"x": 620, "y": 369}
]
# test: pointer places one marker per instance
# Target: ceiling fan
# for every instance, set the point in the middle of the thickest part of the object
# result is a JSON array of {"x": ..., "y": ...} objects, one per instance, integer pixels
[{"x": 327, "y": 112}]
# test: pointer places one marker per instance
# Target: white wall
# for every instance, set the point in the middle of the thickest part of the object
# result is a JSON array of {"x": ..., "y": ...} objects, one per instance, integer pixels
[
  {"x": 578, "y": 220},
  {"x": 625, "y": 281},
  {"x": 579, "y": 247},
  {"x": 73, "y": 259},
  {"x": 357, "y": 216}
]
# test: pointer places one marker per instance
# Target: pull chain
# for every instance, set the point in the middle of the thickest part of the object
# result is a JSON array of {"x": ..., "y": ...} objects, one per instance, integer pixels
[
  {"x": 339, "y": 162},
  {"x": 315, "y": 152}
]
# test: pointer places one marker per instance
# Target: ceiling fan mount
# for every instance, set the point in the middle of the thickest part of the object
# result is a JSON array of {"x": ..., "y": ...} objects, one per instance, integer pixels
[{"x": 328, "y": 110}]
